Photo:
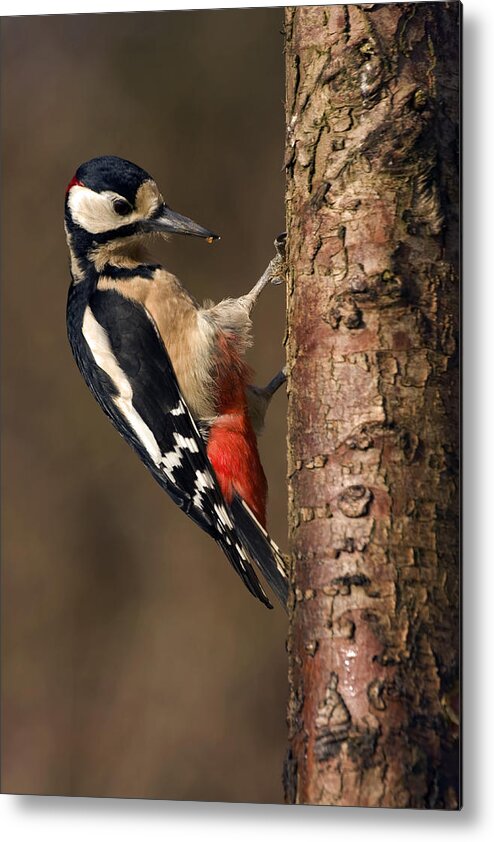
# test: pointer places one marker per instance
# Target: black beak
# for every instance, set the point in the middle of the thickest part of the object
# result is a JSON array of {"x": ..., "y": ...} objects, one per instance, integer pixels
[{"x": 171, "y": 222}]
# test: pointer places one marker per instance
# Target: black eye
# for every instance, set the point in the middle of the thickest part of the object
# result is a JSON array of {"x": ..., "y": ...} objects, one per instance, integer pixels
[{"x": 121, "y": 207}]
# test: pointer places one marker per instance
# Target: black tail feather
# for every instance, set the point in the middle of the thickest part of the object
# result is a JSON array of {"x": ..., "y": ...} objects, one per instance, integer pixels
[
  {"x": 238, "y": 558},
  {"x": 261, "y": 548}
]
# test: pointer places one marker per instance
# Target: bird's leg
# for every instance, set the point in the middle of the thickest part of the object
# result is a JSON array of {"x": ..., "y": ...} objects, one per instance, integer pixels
[
  {"x": 274, "y": 274},
  {"x": 258, "y": 399},
  {"x": 274, "y": 384}
]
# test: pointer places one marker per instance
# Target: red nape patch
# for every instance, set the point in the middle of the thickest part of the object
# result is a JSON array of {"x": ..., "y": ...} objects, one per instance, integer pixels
[{"x": 72, "y": 183}]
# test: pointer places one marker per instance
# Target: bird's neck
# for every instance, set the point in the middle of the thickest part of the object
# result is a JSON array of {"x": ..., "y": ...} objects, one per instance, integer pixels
[
  {"x": 89, "y": 258},
  {"x": 125, "y": 253}
]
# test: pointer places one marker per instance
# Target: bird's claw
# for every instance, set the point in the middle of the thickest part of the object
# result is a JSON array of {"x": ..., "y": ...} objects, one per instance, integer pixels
[
  {"x": 277, "y": 266},
  {"x": 280, "y": 245}
]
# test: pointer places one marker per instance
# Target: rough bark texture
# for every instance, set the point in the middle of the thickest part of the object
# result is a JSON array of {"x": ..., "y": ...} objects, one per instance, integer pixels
[{"x": 372, "y": 207}]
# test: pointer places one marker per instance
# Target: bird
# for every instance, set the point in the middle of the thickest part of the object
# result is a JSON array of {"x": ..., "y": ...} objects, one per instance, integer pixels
[{"x": 169, "y": 372}]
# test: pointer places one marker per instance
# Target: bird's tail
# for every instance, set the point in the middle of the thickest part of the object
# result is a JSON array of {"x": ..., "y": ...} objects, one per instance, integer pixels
[{"x": 261, "y": 548}]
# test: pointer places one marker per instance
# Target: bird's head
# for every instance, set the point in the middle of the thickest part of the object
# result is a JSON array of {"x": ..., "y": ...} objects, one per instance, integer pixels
[{"x": 110, "y": 198}]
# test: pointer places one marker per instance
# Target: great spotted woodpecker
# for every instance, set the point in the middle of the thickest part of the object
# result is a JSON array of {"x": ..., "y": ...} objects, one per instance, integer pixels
[{"x": 169, "y": 373}]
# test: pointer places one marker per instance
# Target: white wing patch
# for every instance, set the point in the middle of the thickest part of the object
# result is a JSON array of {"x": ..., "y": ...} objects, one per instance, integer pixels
[
  {"x": 173, "y": 459},
  {"x": 99, "y": 343},
  {"x": 97, "y": 339},
  {"x": 185, "y": 443},
  {"x": 203, "y": 480},
  {"x": 224, "y": 519},
  {"x": 179, "y": 409}
]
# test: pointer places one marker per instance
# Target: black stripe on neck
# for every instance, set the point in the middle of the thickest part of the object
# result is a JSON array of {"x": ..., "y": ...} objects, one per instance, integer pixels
[{"x": 141, "y": 270}]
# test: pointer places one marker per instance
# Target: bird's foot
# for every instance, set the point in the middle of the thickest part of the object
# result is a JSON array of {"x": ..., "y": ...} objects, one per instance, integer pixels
[
  {"x": 273, "y": 274},
  {"x": 277, "y": 266}
]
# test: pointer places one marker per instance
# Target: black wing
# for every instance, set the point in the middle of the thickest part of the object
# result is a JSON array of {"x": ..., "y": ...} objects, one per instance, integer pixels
[{"x": 180, "y": 463}]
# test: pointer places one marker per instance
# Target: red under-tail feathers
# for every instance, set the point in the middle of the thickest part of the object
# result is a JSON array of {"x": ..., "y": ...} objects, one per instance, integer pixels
[{"x": 232, "y": 444}]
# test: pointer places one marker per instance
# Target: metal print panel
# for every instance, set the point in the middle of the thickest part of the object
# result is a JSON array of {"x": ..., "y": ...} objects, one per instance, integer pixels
[{"x": 256, "y": 214}]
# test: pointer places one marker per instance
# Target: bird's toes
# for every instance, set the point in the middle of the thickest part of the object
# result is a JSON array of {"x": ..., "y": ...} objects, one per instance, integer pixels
[{"x": 278, "y": 263}]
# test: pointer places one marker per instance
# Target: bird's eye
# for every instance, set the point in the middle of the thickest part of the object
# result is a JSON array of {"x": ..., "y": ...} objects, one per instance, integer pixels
[{"x": 121, "y": 207}]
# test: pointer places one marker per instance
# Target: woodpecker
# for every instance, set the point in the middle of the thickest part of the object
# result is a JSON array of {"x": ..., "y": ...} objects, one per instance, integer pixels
[{"x": 170, "y": 373}]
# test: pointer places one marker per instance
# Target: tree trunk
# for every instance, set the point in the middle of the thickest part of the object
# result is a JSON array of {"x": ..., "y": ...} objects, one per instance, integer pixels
[{"x": 373, "y": 239}]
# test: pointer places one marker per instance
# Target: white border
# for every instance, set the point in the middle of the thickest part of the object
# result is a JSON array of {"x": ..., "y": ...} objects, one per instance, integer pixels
[
  {"x": 23, "y": 7},
  {"x": 74, "y": 819}
]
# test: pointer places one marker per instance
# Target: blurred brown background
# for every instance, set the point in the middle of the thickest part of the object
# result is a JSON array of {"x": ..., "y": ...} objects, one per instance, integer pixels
[{"x": 135, "y": 663}]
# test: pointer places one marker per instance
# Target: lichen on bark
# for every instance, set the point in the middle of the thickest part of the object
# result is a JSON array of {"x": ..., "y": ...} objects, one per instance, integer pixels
[{"x": 372, "y": 350}]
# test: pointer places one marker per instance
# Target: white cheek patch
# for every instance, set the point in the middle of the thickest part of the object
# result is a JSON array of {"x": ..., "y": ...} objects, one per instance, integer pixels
[
  {"x": 97, "y": 339},
  {"x": 94, "y": 211}
]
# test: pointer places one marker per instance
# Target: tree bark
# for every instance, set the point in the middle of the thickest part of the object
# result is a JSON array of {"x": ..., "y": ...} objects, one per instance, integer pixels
[{"x": 372, "y": 346}]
